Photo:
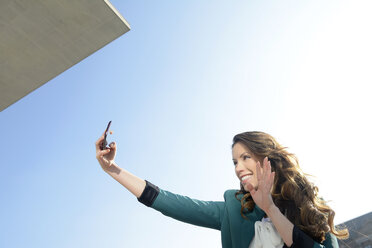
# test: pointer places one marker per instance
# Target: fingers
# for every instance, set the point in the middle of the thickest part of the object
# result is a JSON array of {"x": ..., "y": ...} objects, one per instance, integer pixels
[
  {"x": 112, "y": 147},
  {"x": 99, "y": 142},
  {"x": 259, "y": 170},
  {"x": 267, "y": 168},
  {"x": 264, "y": 174},
  {"x": 272, "y": 176},
  {"x": 102, "y": 153}
]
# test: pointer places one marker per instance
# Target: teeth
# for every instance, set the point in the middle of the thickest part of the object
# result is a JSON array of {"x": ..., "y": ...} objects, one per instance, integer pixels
[{"x": 245, "y": 177}]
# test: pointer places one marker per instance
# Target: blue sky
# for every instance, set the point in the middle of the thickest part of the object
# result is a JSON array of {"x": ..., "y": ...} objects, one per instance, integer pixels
[{"x": 177, "y": 87}]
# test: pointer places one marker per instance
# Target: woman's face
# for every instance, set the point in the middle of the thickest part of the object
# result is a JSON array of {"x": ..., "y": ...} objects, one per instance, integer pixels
[{"x": 245, "y": 165}]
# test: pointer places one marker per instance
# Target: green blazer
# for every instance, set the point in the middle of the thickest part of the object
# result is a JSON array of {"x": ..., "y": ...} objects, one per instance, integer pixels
[{"x": 236, "y": 232}]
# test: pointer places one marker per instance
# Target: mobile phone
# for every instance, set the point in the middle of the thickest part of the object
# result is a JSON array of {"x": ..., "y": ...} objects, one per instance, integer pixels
[{"x": 104, "y": 143}]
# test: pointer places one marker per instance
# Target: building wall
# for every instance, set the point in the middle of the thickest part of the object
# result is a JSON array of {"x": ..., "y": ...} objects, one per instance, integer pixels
[{"x": 360, "y": 230}]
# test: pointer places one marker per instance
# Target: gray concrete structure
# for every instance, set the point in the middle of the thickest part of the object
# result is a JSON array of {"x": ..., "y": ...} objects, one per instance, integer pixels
[
  {"x": 41, "y": 39},
  {"x": 360, "y": 231}
]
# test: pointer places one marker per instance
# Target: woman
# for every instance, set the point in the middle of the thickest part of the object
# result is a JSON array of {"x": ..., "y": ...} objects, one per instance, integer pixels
[{"x": 276, "y": 205}]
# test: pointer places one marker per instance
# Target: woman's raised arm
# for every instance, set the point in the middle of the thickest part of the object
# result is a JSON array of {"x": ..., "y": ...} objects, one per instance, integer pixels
[
  {"x": 182, "y": 208},
  {"x": 106, "y": 159}
]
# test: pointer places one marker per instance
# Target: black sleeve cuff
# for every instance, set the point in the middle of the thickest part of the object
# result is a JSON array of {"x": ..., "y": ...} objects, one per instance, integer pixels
[
  {"x": 301, "y": 239},
  {"x": 149, "y": 194}
]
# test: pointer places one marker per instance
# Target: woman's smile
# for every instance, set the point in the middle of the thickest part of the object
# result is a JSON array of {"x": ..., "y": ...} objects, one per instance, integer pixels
[{"x": 246, "y": 178}]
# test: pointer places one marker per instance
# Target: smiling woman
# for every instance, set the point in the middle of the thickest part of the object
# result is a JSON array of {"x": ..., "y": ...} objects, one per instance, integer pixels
[
  {"x": 290, "y": 190},
  {"x": 279, "y": 207}
]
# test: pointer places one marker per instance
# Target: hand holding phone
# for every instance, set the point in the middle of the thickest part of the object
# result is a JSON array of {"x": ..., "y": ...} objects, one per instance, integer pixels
[
  {"x": 104, "y": 154},
  {"x": 104, "y": 143}
]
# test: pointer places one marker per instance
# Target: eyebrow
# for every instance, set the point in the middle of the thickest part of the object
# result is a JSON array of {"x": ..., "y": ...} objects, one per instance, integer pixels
[{"x": 242, "y": 155}]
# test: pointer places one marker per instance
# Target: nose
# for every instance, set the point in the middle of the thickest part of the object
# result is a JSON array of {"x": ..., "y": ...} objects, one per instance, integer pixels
[{"x": 238, "y": 167}]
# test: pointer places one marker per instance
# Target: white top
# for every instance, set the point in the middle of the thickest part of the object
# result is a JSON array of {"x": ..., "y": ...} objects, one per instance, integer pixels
[{"x": 266, "y": 235}]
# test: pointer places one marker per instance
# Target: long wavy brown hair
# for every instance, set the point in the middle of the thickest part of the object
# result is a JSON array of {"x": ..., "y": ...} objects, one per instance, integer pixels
[{"x": 292, "y": 193}]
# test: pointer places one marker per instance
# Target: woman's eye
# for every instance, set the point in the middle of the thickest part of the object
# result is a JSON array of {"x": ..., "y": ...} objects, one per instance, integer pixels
[{"x": 245, "y": 157}]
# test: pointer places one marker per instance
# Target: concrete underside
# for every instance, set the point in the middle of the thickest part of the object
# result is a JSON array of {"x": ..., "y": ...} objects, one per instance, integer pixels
[{"x": 40, "y": 39}]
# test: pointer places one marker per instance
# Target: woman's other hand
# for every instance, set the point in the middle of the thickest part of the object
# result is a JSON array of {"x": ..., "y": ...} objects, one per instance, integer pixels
[
  {"x": 262, "y": 194},
  {"x": 105, "y": 157}
]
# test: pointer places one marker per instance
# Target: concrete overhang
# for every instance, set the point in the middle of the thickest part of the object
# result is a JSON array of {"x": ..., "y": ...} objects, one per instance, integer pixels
[{"x": 41, "y": 39}]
